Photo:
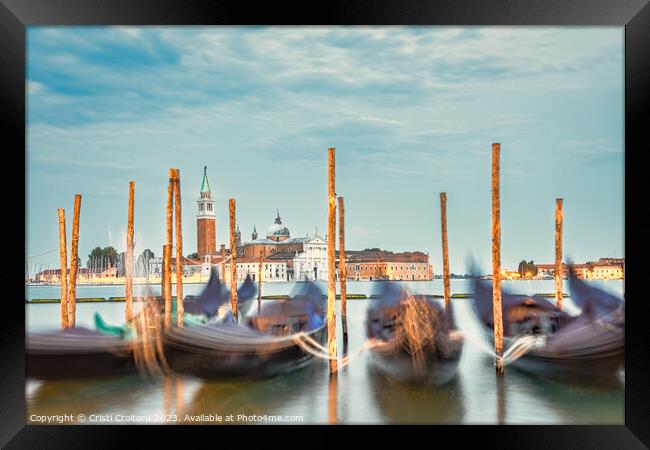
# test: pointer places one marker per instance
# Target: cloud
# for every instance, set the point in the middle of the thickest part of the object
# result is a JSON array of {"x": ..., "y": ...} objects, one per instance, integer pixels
[
  {"x": 359, "y": 230},
  {"x": 592, "y": 151},
  {"x": 128, "y": 72},
  {"x": 411, "y": 110},
  {"x": 89, "y": 164}
]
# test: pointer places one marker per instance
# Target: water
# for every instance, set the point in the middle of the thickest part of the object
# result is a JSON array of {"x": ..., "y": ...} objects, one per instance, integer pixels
[{"x": 359, "y": 396}]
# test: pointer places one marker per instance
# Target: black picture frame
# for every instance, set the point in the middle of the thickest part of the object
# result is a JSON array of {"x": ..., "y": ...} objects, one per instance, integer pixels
[{"x": 634, "y": 15}]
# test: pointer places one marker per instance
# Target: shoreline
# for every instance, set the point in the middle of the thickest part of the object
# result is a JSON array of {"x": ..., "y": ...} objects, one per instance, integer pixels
[{"x": 157, "y": 282}]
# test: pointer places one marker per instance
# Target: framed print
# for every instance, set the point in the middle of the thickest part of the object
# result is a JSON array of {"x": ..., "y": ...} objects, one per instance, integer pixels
[{"x": 413, "y": 216}]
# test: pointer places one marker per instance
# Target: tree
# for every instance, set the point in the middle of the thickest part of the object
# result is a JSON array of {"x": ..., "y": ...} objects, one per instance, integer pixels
[
  {"x": 112, "y": 256},
  {"x": 194, "y": 255},
  {"x": 100, "y": 258},
  {"x": 121, "y": 265},
  {"x": 139, "y": 268},
  {"x": 146, "y": 256},
  {"x": 527, "y": 269},
  {"x": 95, "y": 257}
]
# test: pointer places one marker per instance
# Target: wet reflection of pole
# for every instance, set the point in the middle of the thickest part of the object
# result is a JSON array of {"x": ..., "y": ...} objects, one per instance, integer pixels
[
  {"x": 346, "y": 390},
  {"x": 333, "y": 388},
  {"x": 180, "y": 384},
  {"x": 167, "y": 395},
  {"x": 501, "y": 400}
]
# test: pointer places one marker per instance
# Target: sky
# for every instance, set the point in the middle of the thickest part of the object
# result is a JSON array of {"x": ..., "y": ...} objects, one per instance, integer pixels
[{"x": 411, "y": 111}]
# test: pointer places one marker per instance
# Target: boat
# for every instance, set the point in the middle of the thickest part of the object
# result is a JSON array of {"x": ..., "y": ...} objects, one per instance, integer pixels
[
  {"x": 215, "y": 299},
  {"x": 588, "y": 347},
  {"x": 272, "y": 342},
  {"x": 82, "y": 352},
  {"x": 413, "y": 339},
  {"x": 77, "y": 352}
]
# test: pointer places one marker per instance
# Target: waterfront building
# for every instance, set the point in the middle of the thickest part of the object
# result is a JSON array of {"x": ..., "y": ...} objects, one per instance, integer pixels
[
  {"x": 191, "y": 267},
  {"x": 273, "y": 270},
  {"x": 510, "y": 275},
  {"x": 311, "y": 262},
  {"x": 603, "y": 269},
  {"x": 289, "y": 258},
  {"x": 53, "y": 276},
  {"x": 384, "y": 265},
  {"x": 548, "y": 270},
  {"x": 301, "y": 258}
]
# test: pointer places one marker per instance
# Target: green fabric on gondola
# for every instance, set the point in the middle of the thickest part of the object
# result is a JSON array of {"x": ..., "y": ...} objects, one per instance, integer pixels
[
  {"x": 190, "y": 319},
  {"x": 125, "y": 330},
  {"x": 103, "y": 327}
]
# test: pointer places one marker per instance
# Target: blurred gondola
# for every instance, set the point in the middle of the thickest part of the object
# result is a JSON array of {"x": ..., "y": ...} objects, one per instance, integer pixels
[{"x": 416, "y": 340}]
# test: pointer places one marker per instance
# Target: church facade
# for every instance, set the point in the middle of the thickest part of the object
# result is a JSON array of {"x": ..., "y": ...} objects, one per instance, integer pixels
[
  {"x": 305, "y": 258},
  {"x": 287, "y": 258}
]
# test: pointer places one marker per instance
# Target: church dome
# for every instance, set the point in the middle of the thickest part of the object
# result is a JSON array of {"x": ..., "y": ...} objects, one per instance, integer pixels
[{"x": 277, "y": 229}]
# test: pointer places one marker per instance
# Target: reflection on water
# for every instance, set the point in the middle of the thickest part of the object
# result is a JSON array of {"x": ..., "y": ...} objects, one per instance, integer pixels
[
  {"x": 359, "y": 394},
  {"x": 582, "y": 404},
  {"x": 117, "y": 395},
  {"x": 332, "y": 400},
  {"x": 401, "y": 404},
  {"x": 501, "y": 400},
  {"x": 248, "y": 398}
]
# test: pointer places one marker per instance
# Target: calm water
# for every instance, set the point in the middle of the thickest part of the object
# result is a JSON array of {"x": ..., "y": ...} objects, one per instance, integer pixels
[{"x": 360, "y": 395}]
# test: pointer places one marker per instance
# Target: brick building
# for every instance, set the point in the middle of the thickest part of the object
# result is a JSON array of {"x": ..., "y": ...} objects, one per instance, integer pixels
[
  {"x": 206, "y": 220},
  {"x": 384, "y": 265}
]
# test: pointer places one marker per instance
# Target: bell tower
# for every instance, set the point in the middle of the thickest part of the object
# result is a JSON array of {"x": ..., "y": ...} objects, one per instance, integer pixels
[
  {"x": 237, "y": 237},
  {"x": 206, "y": 220}
]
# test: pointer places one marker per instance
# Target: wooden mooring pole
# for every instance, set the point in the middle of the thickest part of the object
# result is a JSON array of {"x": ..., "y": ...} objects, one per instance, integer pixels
[
  {"x": 496, "y": 261},
  {"x": 233, "y": 261},
  {"x": 129, "y": 253},
  {"x": 558, "y": 253},
  {"x": 63, "y": 256},
  {"x": 445, "y": 252},
  {"x": 162, "y": 273},
  {"x": 343, "y": 274},
  {"x": 260, "y": 271},
  {"x": 331, "y": 267},
  {"x": 74, "y": 264},
  {"x": 180, "y": 310},
  {"x": 167, "y": 266}
]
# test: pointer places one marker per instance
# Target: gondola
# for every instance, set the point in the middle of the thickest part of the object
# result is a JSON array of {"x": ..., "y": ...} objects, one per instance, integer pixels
[
  {"x": 77, "y": 352},
  {"x": 261, "y": 345},
  {"x": 414, "y": 339},
  {"x": 107, "y": 350},
  {"x": 588, "y": 347},
  {"x": 214, "y": 300}
]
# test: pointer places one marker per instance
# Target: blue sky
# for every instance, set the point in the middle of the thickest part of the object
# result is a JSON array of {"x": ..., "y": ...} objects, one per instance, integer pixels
[{"x": 412, "y": 111}]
